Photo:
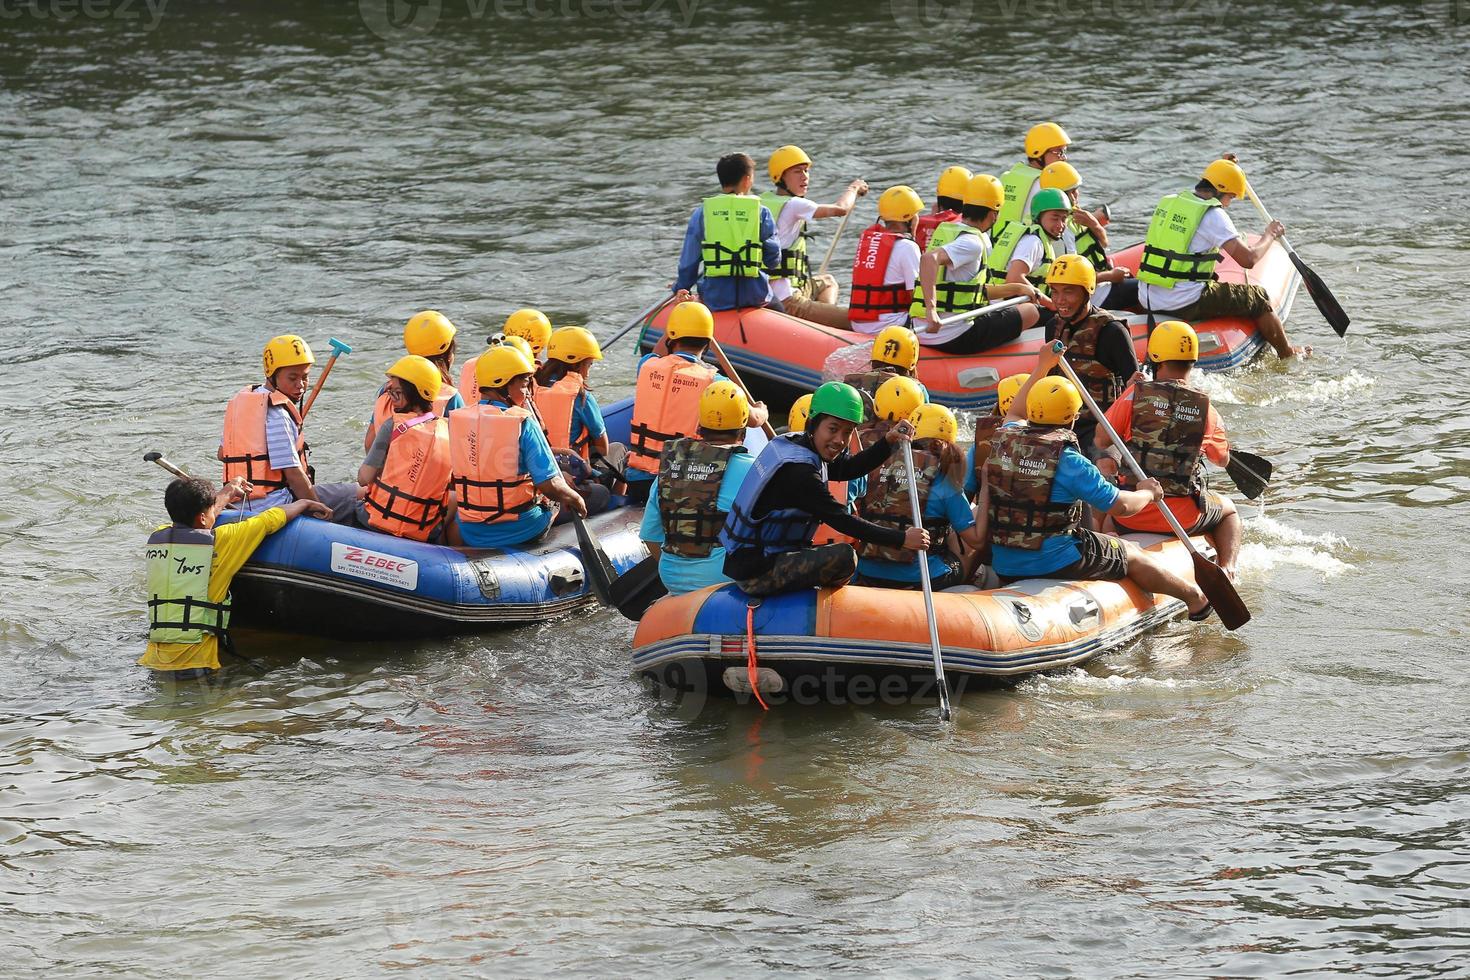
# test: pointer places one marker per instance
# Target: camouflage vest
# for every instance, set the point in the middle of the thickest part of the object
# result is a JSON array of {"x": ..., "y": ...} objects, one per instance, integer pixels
[
  {"x": 1023, "y": 467},
  {"x": 689, "y": 476},
  {"x": 1081, "y": 339},
  {"x": 872, "y": 431},
  {"x": 985, "y": 429},
  {"x": 867, "y": 383},
  {"x": 1168, "y": 428},
  {"x": 887, "y": 501}
]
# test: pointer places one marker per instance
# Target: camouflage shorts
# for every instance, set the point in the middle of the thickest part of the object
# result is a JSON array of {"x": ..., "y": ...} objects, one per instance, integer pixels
[{"x": 819, "y": 567}]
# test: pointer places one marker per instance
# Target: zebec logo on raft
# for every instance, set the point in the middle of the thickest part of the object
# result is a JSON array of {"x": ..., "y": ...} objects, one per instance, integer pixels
[
  {"x": 375, "y": 566},
  {"x": 397, "y": 20}
]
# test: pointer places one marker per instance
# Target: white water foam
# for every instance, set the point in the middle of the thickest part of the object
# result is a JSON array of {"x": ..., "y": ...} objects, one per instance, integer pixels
[
  {"x": 1078, "y": 679},
  {"x": 1271, "y": 544},
  {"x": 1323, "y": 389}
]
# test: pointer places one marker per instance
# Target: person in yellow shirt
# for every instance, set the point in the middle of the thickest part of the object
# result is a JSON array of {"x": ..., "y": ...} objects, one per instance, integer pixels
[{"x": 190, "y": 565}]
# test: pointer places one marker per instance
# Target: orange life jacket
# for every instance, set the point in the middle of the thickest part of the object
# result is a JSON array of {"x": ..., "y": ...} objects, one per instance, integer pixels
[
  {"x": 469, "y": 386},
  {"x": 665, "y": 406},
  {"x": 485, "y": 453},
  {"x": 555, "y": 404},
  {"x": 411, "y": 492},
  {"x": 243, "y": 446},
  {"x": 383, "y": 407}
]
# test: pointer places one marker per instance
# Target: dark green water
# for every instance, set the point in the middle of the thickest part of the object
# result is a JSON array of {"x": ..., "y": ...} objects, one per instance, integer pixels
[{"x": 183, "y": 184}]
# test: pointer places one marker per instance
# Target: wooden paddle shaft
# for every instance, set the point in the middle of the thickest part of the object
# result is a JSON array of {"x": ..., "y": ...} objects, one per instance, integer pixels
[
  {"x": 318, "y": 389},
  {"x": 734, "y": 376},
  {"x": 650, "y": 311},
  {"x": 917, "y": 516},
  {"x": 832, "y": 246}
]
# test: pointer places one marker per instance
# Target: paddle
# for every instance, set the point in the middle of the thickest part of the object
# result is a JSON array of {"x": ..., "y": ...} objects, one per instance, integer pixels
[
  {"x": 1250, "y": 472},
  {"x": 1327, "y": 303},
  {"x": 734, "y": 376},
  {"x": 1211, "y": 578},
  {"x": 638, "y": 588},
  {"x": 836, "y": 235},
  {"x": 945, "y": 321},
  {"x": 940, "y": 684},
  {"x": 157, "y": 457},
  {"x": 640, "y": 318},
  {"x": 338, "y": 349}
]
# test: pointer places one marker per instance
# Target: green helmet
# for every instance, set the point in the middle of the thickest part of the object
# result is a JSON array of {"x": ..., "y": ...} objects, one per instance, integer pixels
[
  {"x": 839, "y": 401},
  {"x": 1048, "y": 199}
]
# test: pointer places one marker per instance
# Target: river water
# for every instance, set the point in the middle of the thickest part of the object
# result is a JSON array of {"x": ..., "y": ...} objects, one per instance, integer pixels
[{"x": 183, "y": 183}]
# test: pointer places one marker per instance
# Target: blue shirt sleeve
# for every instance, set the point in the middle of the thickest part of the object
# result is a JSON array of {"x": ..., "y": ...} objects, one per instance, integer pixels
[
  {"x": 735, "y": 474},
  {"x": 652, "y": 528},
  {"x": 947, "y": 501},
  {"x": 692, "y": 252},
  {"x": 972, "y": 486},
  {"x": 770, "y": 246},
  {"x": 1078, "y": 479},
  {"x": 589, "y": 414},
  {"x": 454, "y": 403},
  {"x": 536, "y": 455}
]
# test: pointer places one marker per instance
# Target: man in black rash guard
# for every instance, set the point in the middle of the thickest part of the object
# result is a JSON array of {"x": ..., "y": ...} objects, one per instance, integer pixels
[{"x": 768, "y": 532}]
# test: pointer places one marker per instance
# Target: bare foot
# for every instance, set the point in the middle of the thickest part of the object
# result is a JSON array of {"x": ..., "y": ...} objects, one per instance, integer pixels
[{"x": 1303, "y": 352}]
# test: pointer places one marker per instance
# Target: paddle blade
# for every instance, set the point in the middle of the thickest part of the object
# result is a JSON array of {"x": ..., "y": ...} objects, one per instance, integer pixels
[
  {"x": 638, "y": 588},
  {"x": 1218, "y": 588},
  {"x": 594, "y": 559},
  {"x": 1327, "y": 303},
  {"x": 1250, "y": 472}
]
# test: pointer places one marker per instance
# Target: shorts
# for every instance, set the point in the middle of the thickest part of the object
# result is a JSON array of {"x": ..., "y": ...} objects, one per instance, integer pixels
[
  {"x": 827, "y": 314},
  {"x": 1150, "y": 521},
  {"x": 820, "y": 567},
  {"x": 953, "y": 575},
  {"x": 1121, "y": 295},
  {"x": 1222, "y": 299},
  {"x": 1103, "y": 557},
  {"x": 986, "y": 331}
]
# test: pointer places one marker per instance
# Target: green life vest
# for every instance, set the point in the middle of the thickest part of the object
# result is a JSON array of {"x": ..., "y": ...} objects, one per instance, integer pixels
[
  {"x": 1000, "y": 255},
  {"x": 1167, "y": 260},
  {"x": 794, "y": 265},
  {"x": 179, "y": 610},
  {"x": 959, "y": 295},
  {"x": 1017, "y": 183},
  {"x": 1088, "y": 247},
  {"x": 732, "y": 236}
]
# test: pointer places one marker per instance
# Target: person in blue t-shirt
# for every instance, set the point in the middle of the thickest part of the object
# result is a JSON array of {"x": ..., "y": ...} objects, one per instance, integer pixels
[
  {"x": 1035, "y": 482},
  {"x": 938, "y": 475},
  {"x": 726, "y": 257},
  {"x": 696, "y": 486}
]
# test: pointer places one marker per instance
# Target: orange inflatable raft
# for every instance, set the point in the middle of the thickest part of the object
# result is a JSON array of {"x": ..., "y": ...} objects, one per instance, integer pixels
[
  {"x": 783, "y": 357},
  {"x": 831, "y": 644}
]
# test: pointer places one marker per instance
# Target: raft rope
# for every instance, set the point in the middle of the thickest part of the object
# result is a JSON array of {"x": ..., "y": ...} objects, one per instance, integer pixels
[{"x": 751, "y": 665}]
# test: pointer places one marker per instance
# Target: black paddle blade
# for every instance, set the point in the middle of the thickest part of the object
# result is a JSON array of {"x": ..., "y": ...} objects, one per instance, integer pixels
[
  {"x": 599, "y": 570},
  {"x": 1250, "y": 472},
  {"x": 638, "y": 588},
  {"x": 1218, "y": 588},
  {"x": 1327, "y": 303}
]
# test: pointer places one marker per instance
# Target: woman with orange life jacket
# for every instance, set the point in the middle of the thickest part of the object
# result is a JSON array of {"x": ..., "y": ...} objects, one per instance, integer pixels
[
  {"x": 666, "y": 402},
  {"x": 525, "y": 323},
  {"x": 886, "y": 264},
  {"x": 954, "y": 277},
  {"x": 570, "y": 414},
  {"x": 1035, "y": 483},
  {"x": 1169, "y": 428},
  {"x": 697, "y": 482},
  {"x": 407, "y": 468},
  {"x": 503, "y": 469},
  {"x": 949, "y": 198},
  {"x": 939, "y": 476},
  {"x": 263, "y": 443},
  {"x": 429, "y": 335}
]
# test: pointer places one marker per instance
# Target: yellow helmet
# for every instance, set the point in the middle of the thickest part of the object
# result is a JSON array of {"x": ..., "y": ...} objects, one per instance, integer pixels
[
  {"x": 690, "y": 319},
  {"x": 1043, "y": 137},
  {"x": 1053, "y": 401},
  {"x": 801, "y": 410},
  {"x": 1061, "y": 175},
  {"x": 428, "y": 334},
  {"x": 530, "y": 324},
  {"x": 1173, "y": 340},
  {"x": 1072, "y": 270},
  {"x": 985, "y": 191},
  {"x": 899, "y": 203},
  {"x": 953, "y": 181},
  {"x": 723, "y": 406},
  {"x": 573, "y": 345},
  {"x": 897, "y": 398},
  {"x": 1005, "y": 392},
  {"x": 934, "y": 422},
  {"x": 521, "y": 344},
  {"x": 784, "y": 159},
  {"x": 498, "y": 365},
  {"x": 419, "y": 372},
  {"x": 897, "y": 346},
  {"x": 1226, "y": 176},
  {"x": 287, "y": 350}
]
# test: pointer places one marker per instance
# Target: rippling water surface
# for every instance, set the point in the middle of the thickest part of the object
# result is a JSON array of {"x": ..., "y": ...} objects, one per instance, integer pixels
[{"x": 1293, "y": 797}]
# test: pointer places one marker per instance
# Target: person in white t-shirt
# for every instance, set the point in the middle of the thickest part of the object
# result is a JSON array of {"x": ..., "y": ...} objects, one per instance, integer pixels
[
  {"x": 792, "y": 282},
  {"x": 887, "y": 263},
  {"x": 1186, "y": 237}
]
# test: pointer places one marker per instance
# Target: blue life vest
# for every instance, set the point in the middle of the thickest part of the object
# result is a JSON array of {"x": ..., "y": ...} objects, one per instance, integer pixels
[{"x": 781, "y": 529}]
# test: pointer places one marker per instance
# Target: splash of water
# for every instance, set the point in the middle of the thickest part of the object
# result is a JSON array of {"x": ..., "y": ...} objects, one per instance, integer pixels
[{"x": 1322, "y": 390}]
